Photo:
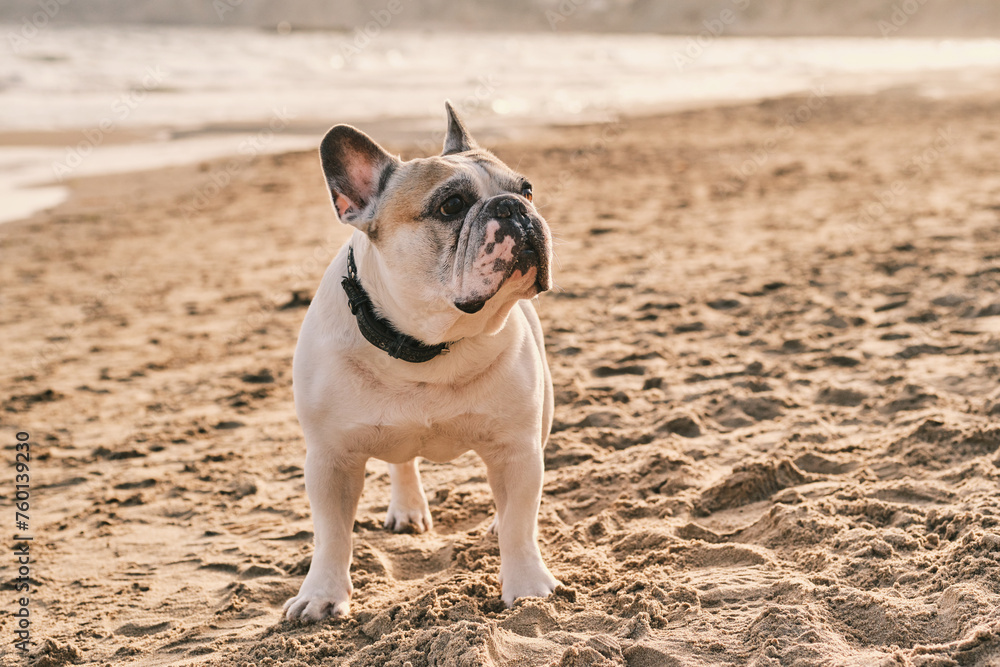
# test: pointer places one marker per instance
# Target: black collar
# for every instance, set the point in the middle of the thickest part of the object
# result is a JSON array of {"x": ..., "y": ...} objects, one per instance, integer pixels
[{"x": 379, "y": 331}]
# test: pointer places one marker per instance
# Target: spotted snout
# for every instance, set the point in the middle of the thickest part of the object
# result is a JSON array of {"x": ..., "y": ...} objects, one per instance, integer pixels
[{"x": 507, "y": 239}]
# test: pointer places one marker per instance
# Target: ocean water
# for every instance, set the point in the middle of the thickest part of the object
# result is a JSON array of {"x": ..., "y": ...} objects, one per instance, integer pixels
[{"x": 76, "y": 101}]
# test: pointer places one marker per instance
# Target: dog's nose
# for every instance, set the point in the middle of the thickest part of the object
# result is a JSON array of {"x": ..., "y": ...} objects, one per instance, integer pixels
[{"x": 506, "y": 206}]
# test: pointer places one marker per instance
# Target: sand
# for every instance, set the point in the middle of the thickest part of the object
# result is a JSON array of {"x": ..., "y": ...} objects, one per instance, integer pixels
[{"x": 776, "y": 437}]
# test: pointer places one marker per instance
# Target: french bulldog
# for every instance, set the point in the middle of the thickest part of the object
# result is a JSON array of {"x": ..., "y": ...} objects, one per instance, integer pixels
[{"x": 422, "y": 342}]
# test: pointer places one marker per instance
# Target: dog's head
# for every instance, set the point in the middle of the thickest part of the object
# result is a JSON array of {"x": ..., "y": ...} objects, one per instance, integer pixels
[{"x": 456, "y": 237}]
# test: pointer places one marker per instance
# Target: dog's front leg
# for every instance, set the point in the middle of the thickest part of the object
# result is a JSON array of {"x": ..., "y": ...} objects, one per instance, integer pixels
[
  {"x": 334, "y": 486},
  {"x": 515, "y": 476}
]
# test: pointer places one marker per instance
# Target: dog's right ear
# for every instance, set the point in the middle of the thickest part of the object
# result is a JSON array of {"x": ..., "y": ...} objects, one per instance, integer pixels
[
  {"x": 356, "y": 170},
  {"x": 458, "y": 139}
]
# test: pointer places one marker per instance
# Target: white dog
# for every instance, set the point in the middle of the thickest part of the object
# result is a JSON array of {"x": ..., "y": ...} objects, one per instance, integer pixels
[{"x": 420, "y": 342}]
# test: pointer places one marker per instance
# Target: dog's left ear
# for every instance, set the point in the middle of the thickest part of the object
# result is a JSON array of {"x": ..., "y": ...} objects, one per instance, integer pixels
[
  {"x": 356, "y": 169},
  {"x": 458, "y": 138}
]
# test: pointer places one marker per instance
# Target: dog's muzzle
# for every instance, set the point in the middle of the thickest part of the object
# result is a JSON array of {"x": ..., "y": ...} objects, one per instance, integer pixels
[
  {"x": 515, "y": 220},
  {"x": 509, "y": 237}
]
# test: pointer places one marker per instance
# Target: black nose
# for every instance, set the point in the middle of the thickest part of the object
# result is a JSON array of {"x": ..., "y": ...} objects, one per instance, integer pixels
[{"x": 506, "y": 206}]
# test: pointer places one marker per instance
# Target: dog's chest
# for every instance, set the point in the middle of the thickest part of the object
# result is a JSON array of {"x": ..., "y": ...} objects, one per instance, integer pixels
[
  {"x": 437, "y": 440},
  {"x": 410, "y": 417}
]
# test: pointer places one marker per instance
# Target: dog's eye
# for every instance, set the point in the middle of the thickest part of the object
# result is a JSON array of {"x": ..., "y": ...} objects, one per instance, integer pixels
[
  {"x": 526, "y": 191},
  {"x": 452, "y": 206}
]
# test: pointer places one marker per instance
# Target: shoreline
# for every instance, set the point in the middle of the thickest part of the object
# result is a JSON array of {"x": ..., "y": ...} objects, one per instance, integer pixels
[
  {"x": 220, "y": 142},
  {"x": 162, "y": 105}
]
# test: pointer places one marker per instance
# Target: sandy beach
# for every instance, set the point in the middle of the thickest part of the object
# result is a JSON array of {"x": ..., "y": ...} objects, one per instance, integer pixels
[{"x": 775, "y": 344}]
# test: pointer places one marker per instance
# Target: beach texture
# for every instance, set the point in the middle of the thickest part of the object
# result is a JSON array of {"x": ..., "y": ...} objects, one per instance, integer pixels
[{"x": 775, "y": 344}]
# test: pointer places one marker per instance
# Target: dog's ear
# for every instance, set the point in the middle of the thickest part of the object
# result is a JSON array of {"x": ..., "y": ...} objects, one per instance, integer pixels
[
  {"x": 458, "y": 138},
  {"x": 356, "y": 170}
]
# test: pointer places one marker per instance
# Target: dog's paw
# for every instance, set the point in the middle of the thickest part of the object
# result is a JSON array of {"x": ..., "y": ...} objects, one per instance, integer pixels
[
  {"x": 416, "y": 519},
  {"x": 315, "y": 606},
  {"x": 529, "y": 581}
]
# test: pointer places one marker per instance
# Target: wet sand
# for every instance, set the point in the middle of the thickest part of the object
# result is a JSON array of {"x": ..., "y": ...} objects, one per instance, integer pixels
[{"x": 775, "y": 352}]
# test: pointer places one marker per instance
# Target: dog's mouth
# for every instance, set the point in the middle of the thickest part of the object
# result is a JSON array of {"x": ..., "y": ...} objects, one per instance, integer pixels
[
  {"x": 529, "y": 257},
  {"x": 533, "y": 255},
  {"x": 509, "y": 244}
]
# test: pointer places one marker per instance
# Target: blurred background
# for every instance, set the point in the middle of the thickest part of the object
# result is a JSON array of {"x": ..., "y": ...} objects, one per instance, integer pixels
[
  {"x": 858, "y": 18},
  {"x": 117, "y": 85}
]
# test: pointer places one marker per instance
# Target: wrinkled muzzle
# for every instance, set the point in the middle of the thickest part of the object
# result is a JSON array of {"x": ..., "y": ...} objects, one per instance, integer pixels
[{"x": 506, "y": 241}]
